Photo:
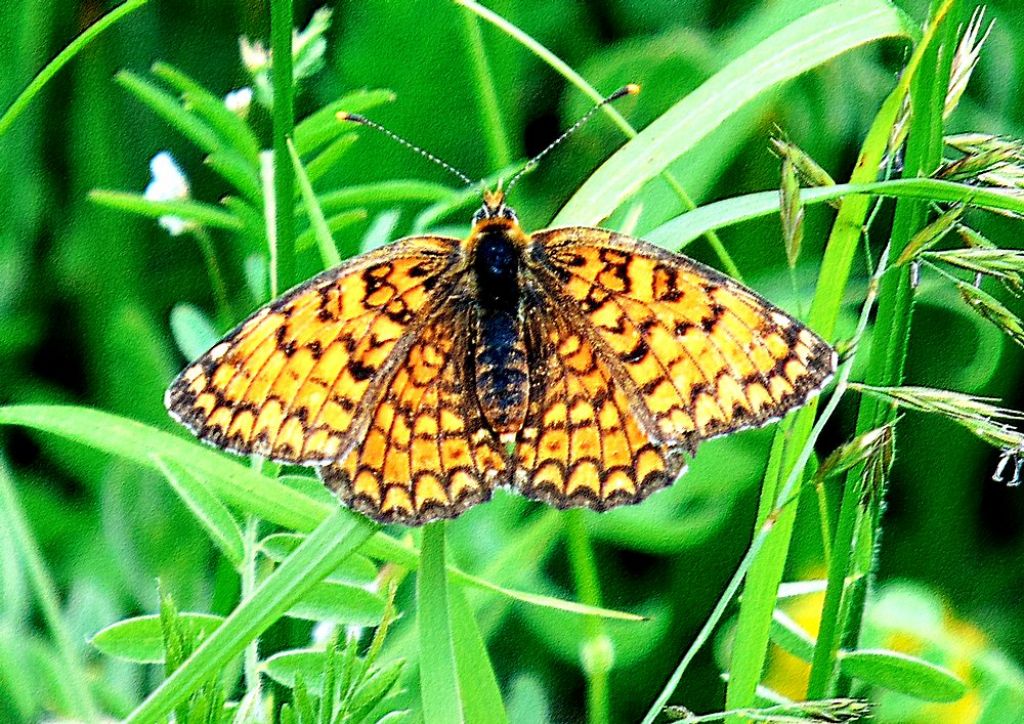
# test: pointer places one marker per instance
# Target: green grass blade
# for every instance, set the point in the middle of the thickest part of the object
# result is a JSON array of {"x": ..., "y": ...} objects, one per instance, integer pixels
[
  {"x": 333, "y": 540},
  {"x": 802, "y": 45},
  {"x": 73, "y": 48},
  {"x": 439, "y": 679},
  {"x": 281, "y": 19},
  {"x": 12, "y": 515},
  {"x": 233, "y": 130},
  {"x": 766, "y": 572},
  {"x": 240, "y": 486},
  {"x": 384, "y": 193},
  {"x": 683, "y": 229},
  {"x": 234, "y": 483},
  {"x": 492, "y": 122},
  {"x": 171, "y": 110},
  {"x": 477, "y": 682},
  {"x": 197, "y": 211},
  {"x": 208, "y": 510},
  {"x": 322, "y": 125},
  {"x": 328, "y": 251}
]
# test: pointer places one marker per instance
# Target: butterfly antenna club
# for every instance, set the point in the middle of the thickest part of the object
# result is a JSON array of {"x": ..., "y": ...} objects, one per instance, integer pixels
[
  {"x": 363, "y": 121},
  {"x": 628, "y": 90}
]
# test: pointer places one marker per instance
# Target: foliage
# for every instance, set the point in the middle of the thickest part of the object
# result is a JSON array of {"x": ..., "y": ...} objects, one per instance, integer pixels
[{"x": 199, "y": 169}]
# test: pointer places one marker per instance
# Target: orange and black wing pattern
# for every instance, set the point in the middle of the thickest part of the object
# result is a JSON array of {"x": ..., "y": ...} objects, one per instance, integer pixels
[
  {"x": 297, "y": 381},
  {"x": 700, "y": 353},
  {"x": 585, "y": 442},
  {"x": 428, "y": 453}
]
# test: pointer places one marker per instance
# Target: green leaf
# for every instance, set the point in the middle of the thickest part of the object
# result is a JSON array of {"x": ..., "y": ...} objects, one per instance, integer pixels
[
  {"x": 234, "y": 132},
  {"x": 140, "y": 639},
  {"x": 684, "y": 228},
  {"x": 339, "y": 603},
  {"x": 328, "y": 251},
  {"x": 192, "y": 330},
  {"x": 234, "y": 169},
  {"x": 478, "y": 684},
  {"x": 439, "y": 677},
  {"x": 356, "y": 569},
  {"x": 333, "y": 540},
  {"x": 804, "y": 44},
  {"x": 322, "y": 126},
  {"x": 379, "y": 684},
  {"x": 336, "y": 223},
  {"x": 902, "y": 673},
  {"x": 327, "y": 158},
  {"x": 170, "y": 109},
  {"x": 208, "y": 510},
  {"x": 197, "y": 211},
  {"x": 70, "y": 51},
  {"x": 286, "y": 667},
  {"x": 788, "y": 634},
  {"x": 383, "y": 193}
]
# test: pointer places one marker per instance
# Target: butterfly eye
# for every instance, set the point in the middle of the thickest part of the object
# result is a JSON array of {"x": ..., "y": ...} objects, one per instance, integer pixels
[
  {"x": 507, "y": 213},
  {"x": 480, "y": 215}
]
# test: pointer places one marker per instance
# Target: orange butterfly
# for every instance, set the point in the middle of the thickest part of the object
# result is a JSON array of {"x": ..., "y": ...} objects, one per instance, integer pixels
[{"x": 577, "y": 366}]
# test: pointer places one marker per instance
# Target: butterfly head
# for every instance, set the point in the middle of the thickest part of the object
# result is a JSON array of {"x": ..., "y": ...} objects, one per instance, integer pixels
[{"x": 494, "y": 210}]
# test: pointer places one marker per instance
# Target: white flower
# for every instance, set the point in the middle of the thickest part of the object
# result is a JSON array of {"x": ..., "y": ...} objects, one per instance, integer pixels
[
  {"x": 255, "y": 57},
  {"x": 322, "y": 633},
  {"x": 168, "y": 184},
  {"x": 238, "y": 101}
]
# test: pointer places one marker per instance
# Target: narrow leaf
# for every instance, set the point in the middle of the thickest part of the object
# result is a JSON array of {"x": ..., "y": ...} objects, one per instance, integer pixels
[
  {"x": 339, "y": 603},
  {"x": 140, "y": 639},
  {"x": 804, "y": 44},
  {"x": 439, "y": 679},
  {"x": 201, "y": 213},
  {"x": 208, "y": 510},
  {"x": 328, "y": 251},
  {"x": 903, "y": 673}
]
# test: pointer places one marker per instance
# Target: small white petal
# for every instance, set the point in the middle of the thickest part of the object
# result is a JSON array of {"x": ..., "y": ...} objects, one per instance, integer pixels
[
  {"x": 169, "y": 182},
  {"x": 254, "y": 56},
  {"x": 175, "y": 225},
  {"x": 322, "y": 633},
  {"x": 238, "y": 101}
]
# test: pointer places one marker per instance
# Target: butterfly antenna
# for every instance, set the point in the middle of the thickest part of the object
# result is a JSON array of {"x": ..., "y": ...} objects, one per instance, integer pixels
[
  {"x": 361, "y": 120},
  {"x": 630, "y": 90}
]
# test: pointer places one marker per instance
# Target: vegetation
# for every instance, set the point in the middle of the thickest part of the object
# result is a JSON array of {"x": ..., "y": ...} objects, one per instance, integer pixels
[{"x": 176, "y": 165}]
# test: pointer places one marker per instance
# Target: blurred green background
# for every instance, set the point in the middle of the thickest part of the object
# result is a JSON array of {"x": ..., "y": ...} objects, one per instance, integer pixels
[{"x": 86, "y": 294}]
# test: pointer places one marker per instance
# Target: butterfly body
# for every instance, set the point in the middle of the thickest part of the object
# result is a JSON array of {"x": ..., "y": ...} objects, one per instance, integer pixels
[{"x": 576, "y": 365}]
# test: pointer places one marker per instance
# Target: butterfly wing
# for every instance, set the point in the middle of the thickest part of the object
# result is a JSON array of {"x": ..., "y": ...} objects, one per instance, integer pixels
[
  {"x": 584, "y": 442},
  {"x": 705, "y": 355},
  {"x": 428, "y": 453},
  {"x": 295, "y": 381}
]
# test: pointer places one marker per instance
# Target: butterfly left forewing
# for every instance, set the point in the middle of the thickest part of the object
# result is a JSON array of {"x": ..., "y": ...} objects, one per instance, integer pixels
[
  {"x": 704, "y": 354},
  {"x": 293, "y": 381}
]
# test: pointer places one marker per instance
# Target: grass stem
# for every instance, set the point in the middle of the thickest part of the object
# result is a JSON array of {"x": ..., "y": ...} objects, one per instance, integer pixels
[
  {"x": 46, "y": 593},
  {"x": 281, "y": 19},
  {"x": 596, "y": 651}
]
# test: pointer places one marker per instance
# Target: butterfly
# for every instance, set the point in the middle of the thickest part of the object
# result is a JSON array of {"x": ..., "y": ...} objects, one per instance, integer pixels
[{"x": 577, "y": 366}]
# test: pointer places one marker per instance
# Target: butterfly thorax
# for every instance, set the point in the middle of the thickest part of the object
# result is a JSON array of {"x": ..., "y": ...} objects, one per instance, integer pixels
[{"x": 499, "y": 346}]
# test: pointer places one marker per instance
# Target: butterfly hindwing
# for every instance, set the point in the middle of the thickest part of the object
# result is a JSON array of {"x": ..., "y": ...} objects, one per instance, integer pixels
[
  {"x": 582, "y": 443},
  {"x": 428, "y": 453},
  {"x": 704, "y": 354},
  {"x": 293, "y": 382}
]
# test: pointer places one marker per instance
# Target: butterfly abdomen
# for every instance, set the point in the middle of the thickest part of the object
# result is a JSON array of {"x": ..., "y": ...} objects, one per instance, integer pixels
[{"x": 501, "y": 375}]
